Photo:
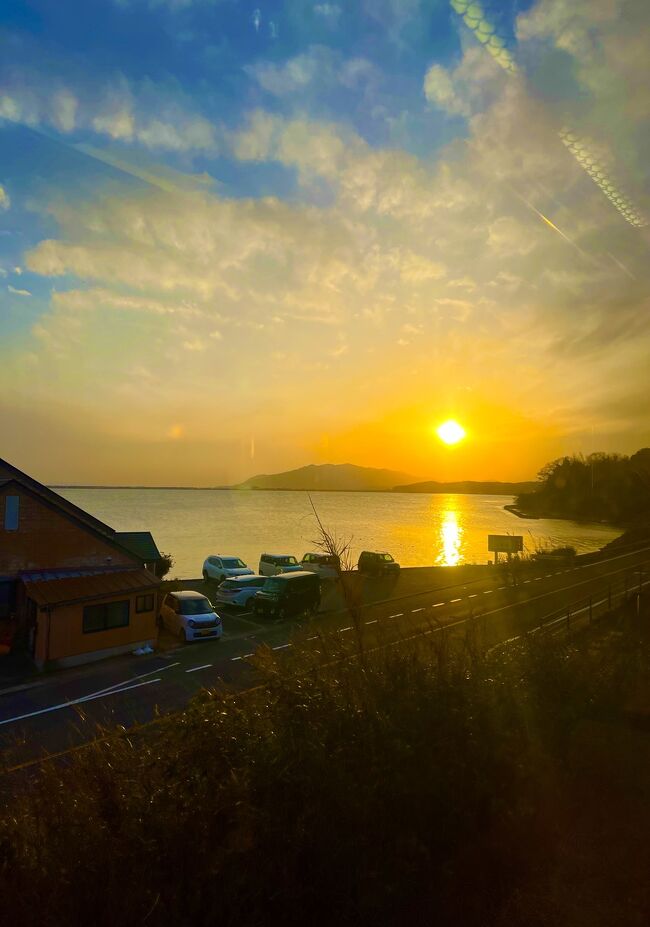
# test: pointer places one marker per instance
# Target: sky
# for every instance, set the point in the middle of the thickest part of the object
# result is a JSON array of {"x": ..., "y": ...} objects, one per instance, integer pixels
[{"x": 238, "y": 237}]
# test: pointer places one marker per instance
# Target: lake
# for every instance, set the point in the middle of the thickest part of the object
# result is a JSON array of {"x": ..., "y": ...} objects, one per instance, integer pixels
[{"x": 419, "y": 529}]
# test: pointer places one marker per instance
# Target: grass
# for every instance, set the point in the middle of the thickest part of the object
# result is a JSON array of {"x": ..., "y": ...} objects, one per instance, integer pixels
[{"x": 419, "y": 784}]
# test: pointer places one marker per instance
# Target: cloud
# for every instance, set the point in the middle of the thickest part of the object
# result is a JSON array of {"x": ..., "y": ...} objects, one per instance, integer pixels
[
  {"x": 5, "y": 201},
  {"x": 328, "y": 11},
  {"x": 158, "y": 118},
  {"x": 16, "y": 292},
  {"x": 319, "y": 69}
]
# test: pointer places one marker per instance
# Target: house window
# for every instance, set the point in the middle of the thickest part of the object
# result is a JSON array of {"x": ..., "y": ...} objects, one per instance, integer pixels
[
  {"x": 144, "y": 603},
  {"x": 106, "y": 616},
  {"x": 12, "y": 508}
]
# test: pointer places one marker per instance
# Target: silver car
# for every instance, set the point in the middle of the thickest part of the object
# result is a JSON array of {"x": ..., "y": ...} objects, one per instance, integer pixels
[{"x": 239, "y": 590}]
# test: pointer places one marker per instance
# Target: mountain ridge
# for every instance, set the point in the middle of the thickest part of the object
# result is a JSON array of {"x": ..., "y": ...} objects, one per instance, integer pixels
[{"x": 351, "y": 478}]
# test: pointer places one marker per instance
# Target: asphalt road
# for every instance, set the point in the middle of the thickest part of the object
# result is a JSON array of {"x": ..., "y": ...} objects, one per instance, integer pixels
[{"x": 67, "y": 708}]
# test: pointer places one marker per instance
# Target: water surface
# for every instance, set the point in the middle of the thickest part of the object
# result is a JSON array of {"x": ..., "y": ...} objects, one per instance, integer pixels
[{"x": 418, "y": 529}]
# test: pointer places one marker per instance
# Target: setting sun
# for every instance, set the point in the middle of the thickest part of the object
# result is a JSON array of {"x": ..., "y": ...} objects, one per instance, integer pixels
[{"x": 450, "y": 432}]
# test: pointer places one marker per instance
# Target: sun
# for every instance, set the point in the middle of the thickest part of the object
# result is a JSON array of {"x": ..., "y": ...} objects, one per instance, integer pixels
[{"x": 450, "y": 432}]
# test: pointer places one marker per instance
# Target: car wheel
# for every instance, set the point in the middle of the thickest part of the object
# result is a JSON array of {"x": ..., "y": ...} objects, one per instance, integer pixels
[{"x": 205, "y": 575}]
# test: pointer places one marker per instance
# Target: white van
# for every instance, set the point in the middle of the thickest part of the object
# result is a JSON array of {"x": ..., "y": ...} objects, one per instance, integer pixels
[{"x": 272, "y": 564}]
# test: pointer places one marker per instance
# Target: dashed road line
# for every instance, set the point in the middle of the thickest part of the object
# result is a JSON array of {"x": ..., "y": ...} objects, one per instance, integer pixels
[
  {"x": 487, "y": 591},
  {"x": 282, "y": 646},
  {"x": 343, "y": 630},
  {"x": 398, "y": 615},
  {"x": 414, "y": 610},
  {"x": 451, "y": 601},
  {"x": 472, "y": 595},
  {"x": 373, "y": 621},
  {"x": 197, "y": 668},
  {"x": 438, "y": 604}
]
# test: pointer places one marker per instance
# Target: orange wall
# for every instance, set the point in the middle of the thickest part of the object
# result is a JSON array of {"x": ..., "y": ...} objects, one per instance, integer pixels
[
  {"x": 45, "y": 539},
  {"x": 67, "y": 639}
]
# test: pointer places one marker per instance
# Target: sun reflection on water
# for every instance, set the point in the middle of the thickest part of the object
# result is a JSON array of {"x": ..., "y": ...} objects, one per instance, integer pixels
[{"x": 451, "y": 535}]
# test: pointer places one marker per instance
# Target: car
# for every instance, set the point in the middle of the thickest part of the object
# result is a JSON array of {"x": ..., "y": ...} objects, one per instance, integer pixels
[
  {"x": 376, "y": 562},
  {"x": 190, "y": 615},
  {"x": 270, "y": 564},
  {"x": 239, "y": 590},
  {"x": 220, "y": 568},
  {"x": 287, "y": 595},
  {"x": 326, "y": 565}
]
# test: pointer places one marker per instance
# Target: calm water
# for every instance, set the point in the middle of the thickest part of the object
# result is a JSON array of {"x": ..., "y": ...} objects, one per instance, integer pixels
[{"x": 418, "y": 529}]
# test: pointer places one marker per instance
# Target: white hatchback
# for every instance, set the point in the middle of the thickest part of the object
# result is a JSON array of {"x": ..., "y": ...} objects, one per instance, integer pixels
[
  {"x": 190, "y": 615},
  {"x": 272, "y": 564},
  {"x": 220, "y": 568}
]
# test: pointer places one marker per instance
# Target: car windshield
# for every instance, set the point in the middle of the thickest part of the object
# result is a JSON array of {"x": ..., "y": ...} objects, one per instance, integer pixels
[
  {"x": 286, "y": 561},
  {"x": 196, "y": 607},
  {"x": 274, "y": 585},
  {"x": 387, "y": 558},
  {"x": 233, "y": 563},
  {"x": 230, "y": 584}
]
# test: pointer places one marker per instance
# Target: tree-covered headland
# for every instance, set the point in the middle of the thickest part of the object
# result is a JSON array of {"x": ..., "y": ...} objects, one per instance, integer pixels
[{"x": 601, "y": 487}]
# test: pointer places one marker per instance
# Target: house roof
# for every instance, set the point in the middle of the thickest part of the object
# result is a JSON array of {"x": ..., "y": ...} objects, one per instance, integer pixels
[
  {"x": 73, "y": 589},
  {"x": 140, "y": 543},
  {"x": 9, "y": 472},
  {"x": 71, "y": 512}
]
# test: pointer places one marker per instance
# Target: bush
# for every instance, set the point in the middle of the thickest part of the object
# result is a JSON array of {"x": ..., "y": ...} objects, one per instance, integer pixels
[{"x": 407, "y": 786}]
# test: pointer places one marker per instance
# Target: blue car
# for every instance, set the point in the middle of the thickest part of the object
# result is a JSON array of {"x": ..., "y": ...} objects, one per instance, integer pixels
[{"x": 239, "y": 589}]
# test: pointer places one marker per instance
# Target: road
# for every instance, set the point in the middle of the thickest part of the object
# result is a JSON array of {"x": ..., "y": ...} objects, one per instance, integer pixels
[{"x": 65, "y": 710}]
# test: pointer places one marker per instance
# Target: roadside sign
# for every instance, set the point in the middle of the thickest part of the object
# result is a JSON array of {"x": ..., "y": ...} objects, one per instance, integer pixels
[{"x": 505, "y": 544}]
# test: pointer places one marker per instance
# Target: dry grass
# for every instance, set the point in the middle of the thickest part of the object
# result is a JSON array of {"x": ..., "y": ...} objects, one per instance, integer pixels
[{"x": 419, "y": 784}]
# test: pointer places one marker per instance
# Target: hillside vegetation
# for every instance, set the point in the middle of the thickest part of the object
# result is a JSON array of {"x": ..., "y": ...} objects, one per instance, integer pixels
[{"x": 600, "y": 487}]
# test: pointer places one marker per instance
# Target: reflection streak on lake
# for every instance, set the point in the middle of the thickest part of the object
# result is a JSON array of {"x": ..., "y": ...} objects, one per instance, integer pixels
[{"x": 419, "y": 529}]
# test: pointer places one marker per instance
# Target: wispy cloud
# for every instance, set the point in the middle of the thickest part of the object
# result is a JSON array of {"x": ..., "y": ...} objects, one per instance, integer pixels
[{"x": 18, "y": 292}]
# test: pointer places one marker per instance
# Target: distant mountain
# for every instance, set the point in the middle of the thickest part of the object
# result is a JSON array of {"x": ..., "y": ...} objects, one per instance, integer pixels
[
  {"x": 329, "y": 477},
  {"x": 486, "y": 488}
]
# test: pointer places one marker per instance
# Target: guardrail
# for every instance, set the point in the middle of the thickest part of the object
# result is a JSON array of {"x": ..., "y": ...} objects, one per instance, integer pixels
[{"x": 586, "y": 610}]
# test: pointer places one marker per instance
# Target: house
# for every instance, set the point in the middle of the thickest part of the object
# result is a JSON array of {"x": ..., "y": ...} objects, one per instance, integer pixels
[{"x": 72, "y": 589}]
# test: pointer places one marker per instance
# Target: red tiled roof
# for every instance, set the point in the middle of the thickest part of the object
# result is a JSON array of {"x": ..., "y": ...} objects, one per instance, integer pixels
[{"x": 54, "y": 592}]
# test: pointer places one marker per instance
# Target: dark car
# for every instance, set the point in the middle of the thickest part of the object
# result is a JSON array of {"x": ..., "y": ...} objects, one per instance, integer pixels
[
  {"x": 287, "y": 595},
  {"x": 376, "y": 562}
]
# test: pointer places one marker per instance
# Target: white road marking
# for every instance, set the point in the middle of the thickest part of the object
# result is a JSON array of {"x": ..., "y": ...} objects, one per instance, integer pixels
[
  {"x": 281, "y": 646},
  {"x": 437, "y": 604},
  {"x": 451, "y": 601},
  {"x": 487, "y": 591},
  {"x": 342, "y": 630},
  {"x": 502, "y": 587},
  {"x": 195, "y": 668},
  {"x": 398, "y": 615},
  {"x": 78, "y": 701},
  {"x": 314, "y": 638},
  {"x": 374, "y": 621},
  {"x": 472, "y": 595},
  {"x": 414, "y": 610},
  {"x": 232, "y": 659}
]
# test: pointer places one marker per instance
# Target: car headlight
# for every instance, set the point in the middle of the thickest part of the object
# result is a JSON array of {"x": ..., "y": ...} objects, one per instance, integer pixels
[{"x": 192, "y": 623}]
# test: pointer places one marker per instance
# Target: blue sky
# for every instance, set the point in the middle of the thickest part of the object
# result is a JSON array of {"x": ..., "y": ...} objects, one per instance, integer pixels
[{"x": 389, "y": 200}]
